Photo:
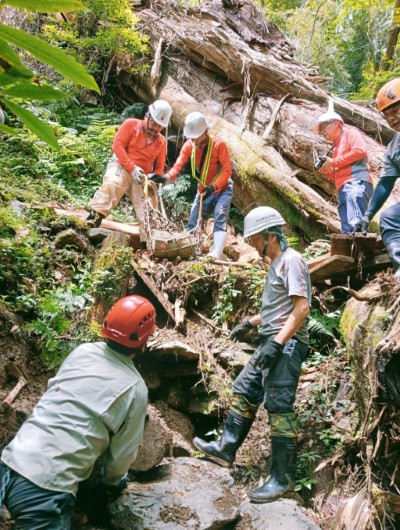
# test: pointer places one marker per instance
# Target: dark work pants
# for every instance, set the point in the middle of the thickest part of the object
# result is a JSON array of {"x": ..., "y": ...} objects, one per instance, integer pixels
[
  {"x": 35, "y": 508},
  {"x": 275, "y": 387},
  {"x": 390, "y": 224}
]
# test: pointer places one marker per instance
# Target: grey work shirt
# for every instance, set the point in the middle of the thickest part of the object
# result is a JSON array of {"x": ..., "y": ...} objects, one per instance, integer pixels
[
  {"x": 96, "y": 404},
  {"x": 287, "y": 276},
  {"x": 391, "y": 159}
]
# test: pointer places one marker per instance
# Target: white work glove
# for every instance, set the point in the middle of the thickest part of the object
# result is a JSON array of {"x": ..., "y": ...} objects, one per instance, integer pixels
[{"x": 137, "y": 174}]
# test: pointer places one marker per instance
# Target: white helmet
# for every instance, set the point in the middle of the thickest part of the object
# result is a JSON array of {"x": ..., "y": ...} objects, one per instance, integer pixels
[
  {"x": 260, "y": 219},
  {"x": 195, "y": 125},
  {"x": 327, "y": 117},
  {"x": 161, "y": 112}
]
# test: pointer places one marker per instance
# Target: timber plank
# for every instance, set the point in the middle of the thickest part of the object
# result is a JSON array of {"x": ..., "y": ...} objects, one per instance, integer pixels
[
  {"x": 131, "y": 229},
  {"x": 345, "y": 265},
  {"x": 332, "y": 265}
]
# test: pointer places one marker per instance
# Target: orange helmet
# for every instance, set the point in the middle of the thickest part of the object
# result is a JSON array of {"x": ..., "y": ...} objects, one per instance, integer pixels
[
  {"x": 130, "y": 322},
  {"x": 388, "y": 95}
]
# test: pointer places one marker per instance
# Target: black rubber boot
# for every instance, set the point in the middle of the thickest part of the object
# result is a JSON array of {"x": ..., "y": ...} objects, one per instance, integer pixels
[
  {"x": 284, "y": 455},
  {"x": 94, "y": 219},
  {"x": 223, "y": 451},
  {"x": 394, "y": 254}
]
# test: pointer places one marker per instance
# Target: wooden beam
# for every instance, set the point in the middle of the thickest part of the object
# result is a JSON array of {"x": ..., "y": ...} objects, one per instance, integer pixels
[
  {"x": 130, "y": 229},
  {"x": 344, "y": 265}
]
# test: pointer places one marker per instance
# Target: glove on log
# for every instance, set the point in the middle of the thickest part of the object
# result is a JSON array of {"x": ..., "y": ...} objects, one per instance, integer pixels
[{"x": 362, "y": 224}]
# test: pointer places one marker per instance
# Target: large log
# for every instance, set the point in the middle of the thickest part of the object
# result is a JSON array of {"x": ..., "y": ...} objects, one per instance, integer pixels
[{"x": 223, "y": 38}]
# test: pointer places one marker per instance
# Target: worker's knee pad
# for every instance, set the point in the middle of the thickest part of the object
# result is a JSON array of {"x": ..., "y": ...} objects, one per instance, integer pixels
[{"x": 284, "y": 424}]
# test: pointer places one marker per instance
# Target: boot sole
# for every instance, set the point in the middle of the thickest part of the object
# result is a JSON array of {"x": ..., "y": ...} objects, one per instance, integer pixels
[
  {"x": 214, "y": 459},
  {"x": 287, "y": 495}
]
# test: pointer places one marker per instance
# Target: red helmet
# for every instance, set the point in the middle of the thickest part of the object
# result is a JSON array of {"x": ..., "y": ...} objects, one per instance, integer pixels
[
  {"x": 130, "y": 321},
  {"x": 388, "y": 95}
]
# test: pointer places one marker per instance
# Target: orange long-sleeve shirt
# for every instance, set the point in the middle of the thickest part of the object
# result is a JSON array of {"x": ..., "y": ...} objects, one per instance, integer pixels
[
  {"x": 219, "y": 161},
  {"x": 349, "y": 159},
  {"x": 132, "y": 148}
]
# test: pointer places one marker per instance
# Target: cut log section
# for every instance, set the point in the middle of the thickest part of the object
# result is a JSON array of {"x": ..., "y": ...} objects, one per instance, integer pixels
[
  {"x": 328, "y": 267},
  {"x": 131, "y": 230},
  {"x": 353, "y": 245}
]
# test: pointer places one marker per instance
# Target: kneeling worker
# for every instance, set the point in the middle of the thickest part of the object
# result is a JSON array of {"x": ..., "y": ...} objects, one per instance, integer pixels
[
  {"x": 388, "y": 102},
  {"x": 95, "y": 405}
]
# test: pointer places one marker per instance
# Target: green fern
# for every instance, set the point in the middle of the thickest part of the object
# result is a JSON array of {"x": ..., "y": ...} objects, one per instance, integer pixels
[{"x": 316, "y": 327}]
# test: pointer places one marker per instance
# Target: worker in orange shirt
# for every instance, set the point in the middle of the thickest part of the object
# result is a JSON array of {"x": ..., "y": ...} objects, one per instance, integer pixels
[
  {"x": 211, "y": 167},
  {"x": 138, "y": 149},
  {"x": 346, "y": 163}
]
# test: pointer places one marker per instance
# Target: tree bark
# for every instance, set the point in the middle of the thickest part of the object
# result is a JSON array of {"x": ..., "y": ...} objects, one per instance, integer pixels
[{"x": 216, "y": 38}]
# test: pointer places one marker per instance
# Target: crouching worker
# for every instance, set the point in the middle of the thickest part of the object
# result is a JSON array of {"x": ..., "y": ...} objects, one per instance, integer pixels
[
  {"x": 211, "y": 167},
  {"x": 272, "y": 373},
  {"x": 138, "y": 148},
  {"x": 95, "y": 405},
  {"x": 388, "y": 103}
]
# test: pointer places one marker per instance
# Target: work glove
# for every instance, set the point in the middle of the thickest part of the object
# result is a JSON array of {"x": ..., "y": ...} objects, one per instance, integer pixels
[
  {"x": 240, "y": 331},
  {"x": 137, "y": 174},
  {"x": 362, "y": 224},
  {"x": 267, "y": 353},
  {"x": 93, "y": 499},
  {"x": 158, "y": 179},
  {"x": 208, "y": 190},
  {"x": 113, "y": 492}
]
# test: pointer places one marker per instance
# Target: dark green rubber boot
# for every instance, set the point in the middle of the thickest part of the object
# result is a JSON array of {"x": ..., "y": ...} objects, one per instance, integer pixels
[
  {"x": 223, "y": 451},
  {"x": 280, "y": 482}
]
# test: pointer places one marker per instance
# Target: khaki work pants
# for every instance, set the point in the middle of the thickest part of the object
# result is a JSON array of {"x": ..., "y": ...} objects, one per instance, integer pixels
[{"x": 116, "y": 182}]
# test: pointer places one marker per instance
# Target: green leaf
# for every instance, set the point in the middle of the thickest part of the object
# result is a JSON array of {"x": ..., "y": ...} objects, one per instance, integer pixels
[
  {"x": 27, "y": 90},
  {"x": 58, "y": 59},
  {"x": 12, "y": 59},
  {"x": 46, "y": 6},
  {"x": 38, "y": 127},
  {"x": 7, "y": 129}
]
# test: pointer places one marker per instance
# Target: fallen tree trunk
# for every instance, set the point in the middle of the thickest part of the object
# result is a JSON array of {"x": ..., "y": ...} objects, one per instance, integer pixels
[
  {"x": 371, "y": 331},
  {"x": 234, "y": 41}
]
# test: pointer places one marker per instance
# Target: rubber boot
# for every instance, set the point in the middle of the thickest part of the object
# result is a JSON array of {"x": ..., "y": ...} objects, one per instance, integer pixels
[
  {"x": 284, "y": 455},
  {"x": 94, "y": 219},
  {"x": 218, "y": 245},
  {"x": 394, "y": 254},
  {"x": 223, "y": 451}
]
